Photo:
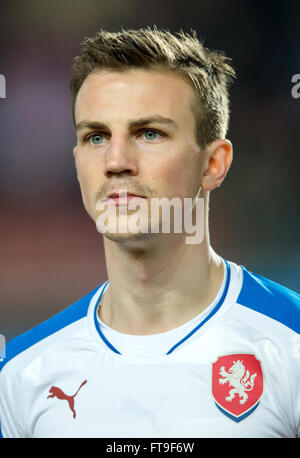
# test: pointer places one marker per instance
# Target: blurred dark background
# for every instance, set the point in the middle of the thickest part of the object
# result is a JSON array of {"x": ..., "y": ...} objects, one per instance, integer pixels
[{"x": 51, "y": 254}]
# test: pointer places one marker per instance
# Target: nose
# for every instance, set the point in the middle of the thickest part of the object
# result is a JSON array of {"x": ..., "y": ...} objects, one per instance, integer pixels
[{"x": 120, "y": 157}]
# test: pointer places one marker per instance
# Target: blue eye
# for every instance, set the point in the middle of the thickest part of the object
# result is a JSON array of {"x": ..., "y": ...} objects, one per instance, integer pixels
[
  {"x": 96, "y": 139},
  {"x": 151, "y": 134}
]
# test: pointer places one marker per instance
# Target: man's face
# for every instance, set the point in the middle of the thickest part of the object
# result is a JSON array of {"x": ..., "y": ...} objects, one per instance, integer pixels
[{"x": 136, "y": 132}]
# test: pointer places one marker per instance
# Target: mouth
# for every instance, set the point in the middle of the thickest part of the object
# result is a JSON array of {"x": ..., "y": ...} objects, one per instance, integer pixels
[{"x": 123, "y": 197}]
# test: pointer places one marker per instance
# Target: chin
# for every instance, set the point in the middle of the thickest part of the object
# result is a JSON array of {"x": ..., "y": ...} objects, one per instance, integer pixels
[
  {"x": 129, "y": 239},
  {"x": 122, "y": 230}
]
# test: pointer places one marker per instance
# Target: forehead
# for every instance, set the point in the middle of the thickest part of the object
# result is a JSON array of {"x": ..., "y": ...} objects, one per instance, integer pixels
[{"x": 135, "y": 92}]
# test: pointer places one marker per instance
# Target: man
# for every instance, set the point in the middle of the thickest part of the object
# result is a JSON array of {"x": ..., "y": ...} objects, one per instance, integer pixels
[{"x": 178, "y": 342}]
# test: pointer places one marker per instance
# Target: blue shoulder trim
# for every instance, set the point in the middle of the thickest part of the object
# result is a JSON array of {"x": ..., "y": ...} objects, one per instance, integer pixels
[
  {"x": 70, "y": 314},
  {"x": 270, "y": 299}
]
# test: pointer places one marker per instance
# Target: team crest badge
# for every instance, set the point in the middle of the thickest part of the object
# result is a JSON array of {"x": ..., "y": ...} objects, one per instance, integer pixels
[{"x": 237, "y": 385}]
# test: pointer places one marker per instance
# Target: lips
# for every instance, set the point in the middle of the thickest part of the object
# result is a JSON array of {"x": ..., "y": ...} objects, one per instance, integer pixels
[
  {"x": 122, "y": 194},
  {"x": 122, "y": 197}
]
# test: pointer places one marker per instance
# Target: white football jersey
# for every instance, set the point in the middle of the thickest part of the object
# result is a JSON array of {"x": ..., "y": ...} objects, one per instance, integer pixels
[{"x": 232, "y": 371}]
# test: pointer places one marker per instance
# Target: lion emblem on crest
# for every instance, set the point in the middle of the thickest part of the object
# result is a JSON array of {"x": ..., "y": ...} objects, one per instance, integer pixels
[{"x": 239, "y": 378}]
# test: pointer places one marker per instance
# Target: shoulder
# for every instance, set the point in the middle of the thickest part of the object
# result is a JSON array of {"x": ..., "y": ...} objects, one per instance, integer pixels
[
  {"x": 41, "y": 333},
  {"x": 270, "y": 299}
]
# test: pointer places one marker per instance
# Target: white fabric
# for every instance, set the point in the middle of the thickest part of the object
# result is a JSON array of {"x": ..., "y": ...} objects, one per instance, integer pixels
[{"x": 142, "y": 393}]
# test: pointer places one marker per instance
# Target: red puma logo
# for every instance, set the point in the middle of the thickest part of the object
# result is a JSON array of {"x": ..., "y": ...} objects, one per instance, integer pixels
[{"x": 55, "y": 391}]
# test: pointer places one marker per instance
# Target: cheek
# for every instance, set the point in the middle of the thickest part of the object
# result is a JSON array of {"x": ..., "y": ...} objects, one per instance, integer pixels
[
  {"x": 176, "y": 177},
  {"x": 88, "y": 172},
  {"x": 89, "y": 184}
]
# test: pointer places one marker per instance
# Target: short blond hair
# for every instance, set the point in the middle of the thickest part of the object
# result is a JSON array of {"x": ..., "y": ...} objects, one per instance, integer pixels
[{"x": 208, "y": 71}]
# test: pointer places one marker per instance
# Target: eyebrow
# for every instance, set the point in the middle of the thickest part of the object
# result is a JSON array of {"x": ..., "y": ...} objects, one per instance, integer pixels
[{"x": 85, "y": 124}]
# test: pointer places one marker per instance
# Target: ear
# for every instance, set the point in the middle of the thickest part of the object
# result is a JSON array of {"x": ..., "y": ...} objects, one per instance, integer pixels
[
  {"x": 75, "y": 151},
  {"x": 219, "y": 161}
]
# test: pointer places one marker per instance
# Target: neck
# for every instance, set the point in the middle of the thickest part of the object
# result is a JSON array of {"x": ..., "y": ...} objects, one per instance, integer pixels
[{"x": 160, "y": 285}]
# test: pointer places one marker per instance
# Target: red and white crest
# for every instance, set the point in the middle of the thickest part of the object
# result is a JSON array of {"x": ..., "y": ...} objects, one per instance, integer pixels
[{"x": 237, "y": 385}]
